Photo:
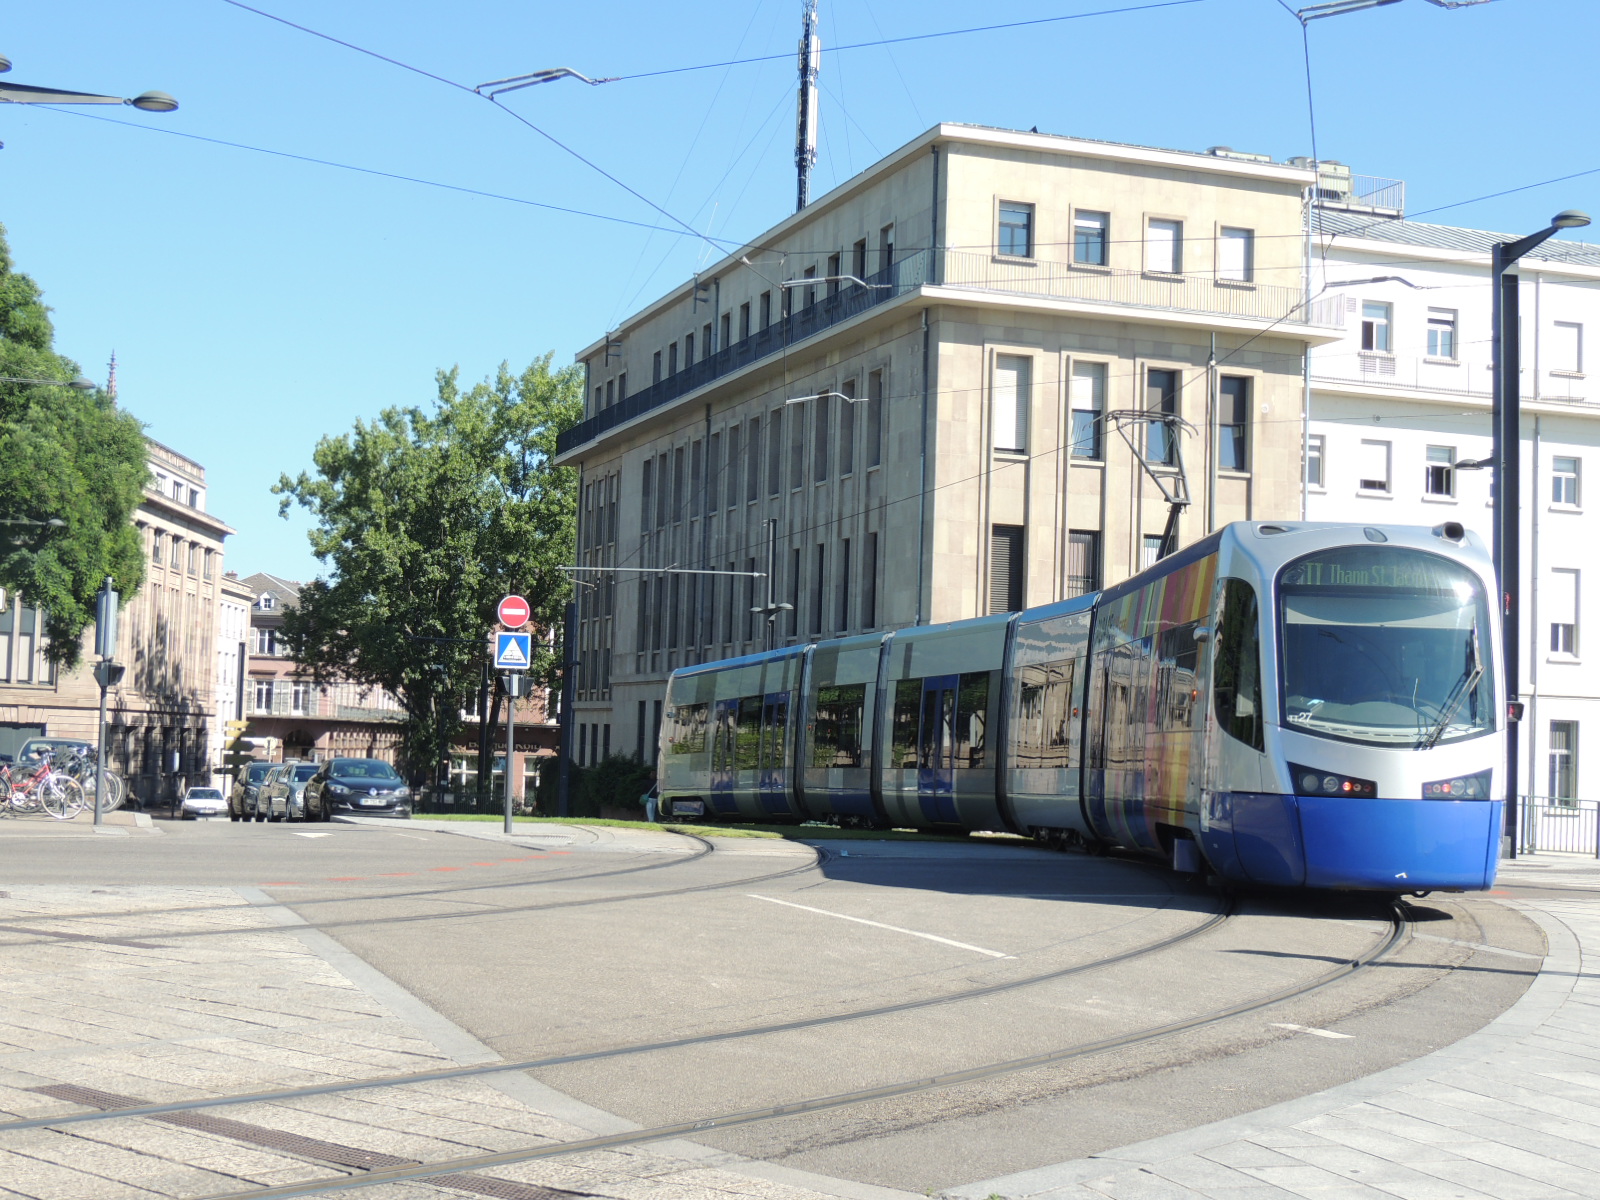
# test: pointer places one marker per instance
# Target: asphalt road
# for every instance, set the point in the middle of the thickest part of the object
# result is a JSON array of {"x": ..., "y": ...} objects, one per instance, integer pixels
[{"x": 563, "y": 944}]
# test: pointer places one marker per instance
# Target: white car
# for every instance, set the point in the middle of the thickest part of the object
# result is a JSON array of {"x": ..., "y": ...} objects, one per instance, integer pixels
[{"x": 203, "y": 802}]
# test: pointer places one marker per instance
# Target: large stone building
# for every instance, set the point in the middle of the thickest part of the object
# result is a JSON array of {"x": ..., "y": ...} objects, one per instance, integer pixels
[
  {"x": 1404, "y": 396},
  {"x": 234, "y": 602},
  {"x": 159, "y": 718},
  {"x": 909, "y": 398}
]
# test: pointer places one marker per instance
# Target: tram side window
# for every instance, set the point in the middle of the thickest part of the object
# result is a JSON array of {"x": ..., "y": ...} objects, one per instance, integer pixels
[
  {"x": 686, "y": 729},
  {"x": 907, "y": 708},
  {"x": 747, "y": 739},
  {"x": 777, "y": 717},
  {"x": 972, "y": 719},
  {"x": 837, "y": 739},
  {"x": 1238, "y": 666},
  {"x": 1043, "y": 726},
  {"x": 1179, "y": 660}
]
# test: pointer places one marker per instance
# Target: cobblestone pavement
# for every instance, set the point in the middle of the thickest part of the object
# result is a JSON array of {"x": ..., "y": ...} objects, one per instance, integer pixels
[
  {"x": 1511, "y": 1112},
  {"x": 91, "y": 999}
]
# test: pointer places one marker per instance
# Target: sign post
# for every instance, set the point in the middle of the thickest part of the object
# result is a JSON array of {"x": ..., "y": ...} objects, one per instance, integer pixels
[
  {"x": 512, "y": 653},
  {"x": 106, "y": 674}
]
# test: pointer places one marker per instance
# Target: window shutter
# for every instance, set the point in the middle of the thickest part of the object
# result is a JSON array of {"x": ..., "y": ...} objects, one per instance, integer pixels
[
  {"x": 1005, "y": 568},
  {"x": 1562, "y": 601},
  {"x": 1009, "y": 413}
]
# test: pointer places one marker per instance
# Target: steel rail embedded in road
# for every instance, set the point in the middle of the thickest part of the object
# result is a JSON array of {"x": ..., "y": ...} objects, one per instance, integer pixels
[
  {"x": 1399, "y": 929},
  {"x": 384, "y": 1081}
]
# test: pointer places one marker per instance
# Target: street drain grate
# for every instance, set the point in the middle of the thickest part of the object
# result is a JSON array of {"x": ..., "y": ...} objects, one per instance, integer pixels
[{"x": 305, "y": 1147}]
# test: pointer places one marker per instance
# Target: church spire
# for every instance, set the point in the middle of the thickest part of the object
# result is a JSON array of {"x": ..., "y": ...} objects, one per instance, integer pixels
[{"x": 111, "y": 379}]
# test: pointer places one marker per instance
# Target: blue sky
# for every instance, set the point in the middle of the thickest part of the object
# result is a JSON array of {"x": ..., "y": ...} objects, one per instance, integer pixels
[{"x": 257, "y": 302}]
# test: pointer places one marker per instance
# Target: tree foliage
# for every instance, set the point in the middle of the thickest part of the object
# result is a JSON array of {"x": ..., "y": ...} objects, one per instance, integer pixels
[
  {"x": 425, "y": 519},
  {"x": 63, "y": 454}
]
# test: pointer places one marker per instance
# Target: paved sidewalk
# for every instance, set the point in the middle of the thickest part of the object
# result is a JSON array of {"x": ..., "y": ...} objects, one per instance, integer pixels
[
  {"x": 167, "y": 994},
  {"x": 1511, "y": 1112}
]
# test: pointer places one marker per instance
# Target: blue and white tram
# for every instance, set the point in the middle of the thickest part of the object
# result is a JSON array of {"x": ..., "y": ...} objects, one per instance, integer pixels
[{"x": 1302, "y": 705}]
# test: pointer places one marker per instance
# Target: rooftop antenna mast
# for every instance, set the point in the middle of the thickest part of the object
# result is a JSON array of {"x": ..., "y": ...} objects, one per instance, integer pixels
[{"x": 805, "y": 144}]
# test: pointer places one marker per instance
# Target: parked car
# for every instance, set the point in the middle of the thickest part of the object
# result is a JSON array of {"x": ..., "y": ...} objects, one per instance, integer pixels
[
  {"x": 367, "y": 787},
  {"x": 242, "y": 799},
  {"x": 203, "y": 802},
  {"x": 282, "y": 794},
  {"x": 34, "y": 747}
]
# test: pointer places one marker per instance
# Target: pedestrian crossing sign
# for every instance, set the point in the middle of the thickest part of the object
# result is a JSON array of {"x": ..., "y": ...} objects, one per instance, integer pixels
[{"x": 512, "y": 651}]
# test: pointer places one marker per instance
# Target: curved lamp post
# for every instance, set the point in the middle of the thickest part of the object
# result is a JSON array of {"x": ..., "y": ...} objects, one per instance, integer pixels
[
  {"x": 26, "y": 93},
  {"x": 1507, "y": 460}
]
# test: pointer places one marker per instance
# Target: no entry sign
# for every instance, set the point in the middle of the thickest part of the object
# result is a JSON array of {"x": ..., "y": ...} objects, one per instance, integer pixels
[{"x": 513, "y": 612}]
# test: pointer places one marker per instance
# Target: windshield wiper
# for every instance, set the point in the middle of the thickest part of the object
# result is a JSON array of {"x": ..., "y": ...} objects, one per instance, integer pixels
[{"x": 1464, "y": 688}]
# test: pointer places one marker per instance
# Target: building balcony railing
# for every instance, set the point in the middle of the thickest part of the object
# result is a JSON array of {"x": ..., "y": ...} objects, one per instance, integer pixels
[
  {"x": 1419, "y": 374},
  {"x": 1196, "y": 294}
]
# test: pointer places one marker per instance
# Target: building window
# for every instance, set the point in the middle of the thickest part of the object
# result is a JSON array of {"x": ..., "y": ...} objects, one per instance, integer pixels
[
  {"x": 886, "y": 247},
  {"x": 1564, "y": 482},
  {"x": 1090, "y": 238},
  {"x": 688, "y": 350},
  {"x": 858, "y": 260},
  {"x": 847, "y": 428},
  {"x": 810, "y": 291},
  {"x": 622, "y": 387},
  {"x": 672, "y": 358},
  {"x": 843, "y": 622},
  {"x": 1005, "y": 568},
  {"x": 1562, "y": 605},
  {"x": 869, "y": 578},
  {"x": 1163, "y": 247},
  {"x": 1442, "y": 333},
  {"x": 1564, "y": 762},
  {"x": 177, "y": 554},
  {"x": 209, "y": 567},
  {"x": 1233, "y": 423},
  {"x": 194, "y": 558},
  {"x": 835, "y": 269},
  {"x": 874, "y": 445},
  {"x": 821, "y": 411},
  {"x": 1236, "y": 255},
  {"x": 299, "y": 695},
  {"x": 1316, "y": 452},
  {"x": 1161, "y": 400},
  {"x": 1441, "y": 478},
  {"x": 797, "y": 447},
  {"x": 1083, "y": 563},
  {"x": 766, "y": 309},
  {"x": 727, "y": 337},
  {"x": 775, "y": 453},
  {"x": 611, "y": 392},
  {"x": 1149, "y": 550},
  {"x": 1374, "y": 466},
  {"x": 1566, "y": 348},
  {"x": 1375, "y": 322},
  {"x": 267, "y": 602},
  {"x": 752, "y": 475},
  {"x": 1012, "y": 398},
  {"x": 744, "y": 320},
  {"x": 1088, "y": 399},
  {"x": 1016, "y": 229},
  {"x": 655, "y": 368},
  {"x": 157, "y": 544},
  {"x": 819, "y": 590},
  {"x": 263, "y": 697}
]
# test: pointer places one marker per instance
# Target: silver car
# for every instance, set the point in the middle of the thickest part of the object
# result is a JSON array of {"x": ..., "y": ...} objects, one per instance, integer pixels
[
  {"x": 203, "y": 802},
  {"x": 283, "y": 792}
]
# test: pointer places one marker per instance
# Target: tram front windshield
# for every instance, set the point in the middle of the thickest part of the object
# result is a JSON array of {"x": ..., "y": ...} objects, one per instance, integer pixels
[{"x": 1386, "y": 646}]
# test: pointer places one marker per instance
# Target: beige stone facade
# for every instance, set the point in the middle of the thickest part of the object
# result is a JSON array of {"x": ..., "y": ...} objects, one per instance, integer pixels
[
  {"x": 930, "y": 431},
  {"x": 159, "y": 717}
]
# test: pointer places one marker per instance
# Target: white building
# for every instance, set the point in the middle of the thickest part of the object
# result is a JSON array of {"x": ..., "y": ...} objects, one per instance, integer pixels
[
  {"x": 1407, "y": 394},
  {"x": 234, "y": 601}
]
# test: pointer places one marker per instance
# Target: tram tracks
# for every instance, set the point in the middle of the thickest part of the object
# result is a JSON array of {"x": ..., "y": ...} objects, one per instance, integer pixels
[{"x": 451, "y": 1170}]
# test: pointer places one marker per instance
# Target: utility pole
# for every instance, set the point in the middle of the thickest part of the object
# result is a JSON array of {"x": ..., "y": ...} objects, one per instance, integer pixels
[{"x": 805, "y": 145}]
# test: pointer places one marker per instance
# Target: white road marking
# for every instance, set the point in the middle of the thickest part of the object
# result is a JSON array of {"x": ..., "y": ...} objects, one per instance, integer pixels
[
  {"x": 932, "y": 937},
  {"x": 297, "y": 833},
  {"x": 1327, "y": 1033},
  {"x": 1433, "y": 937}
]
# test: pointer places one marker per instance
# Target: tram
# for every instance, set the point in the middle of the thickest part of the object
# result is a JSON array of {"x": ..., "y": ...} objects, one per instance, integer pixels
[{"x": 1293, "y": 704}]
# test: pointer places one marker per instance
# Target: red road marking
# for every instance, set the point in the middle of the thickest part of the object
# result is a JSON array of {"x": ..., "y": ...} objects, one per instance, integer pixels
[
  {"x": 486, "y": 864},
  {"x": 444, "y": 868}
]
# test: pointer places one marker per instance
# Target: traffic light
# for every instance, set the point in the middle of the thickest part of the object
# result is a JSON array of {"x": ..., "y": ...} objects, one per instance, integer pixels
[
  {"x": 236, "y": 754},
  {"x": 234, "y": 730}
]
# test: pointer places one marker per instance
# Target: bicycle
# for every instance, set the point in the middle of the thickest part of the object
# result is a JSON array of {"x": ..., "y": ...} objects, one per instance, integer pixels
[
  {"x": 81, "y": 767},
  {"x": 44, "y": 789}
]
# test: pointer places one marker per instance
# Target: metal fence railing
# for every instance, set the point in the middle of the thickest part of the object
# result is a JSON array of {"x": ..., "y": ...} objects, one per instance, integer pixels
[{"x": 1550, "y": 825}]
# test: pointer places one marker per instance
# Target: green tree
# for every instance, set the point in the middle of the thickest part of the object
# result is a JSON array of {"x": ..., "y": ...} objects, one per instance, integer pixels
[
  {"x": 68, "y": 455},
  {"x": 425, "y": 519}
]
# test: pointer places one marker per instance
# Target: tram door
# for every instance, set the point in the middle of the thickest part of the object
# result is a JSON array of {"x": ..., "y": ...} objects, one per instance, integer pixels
[
  {"x": 724, "y": 749},
  {"x": 772, "y": 772},
  {"x": 936, "y": 748}
]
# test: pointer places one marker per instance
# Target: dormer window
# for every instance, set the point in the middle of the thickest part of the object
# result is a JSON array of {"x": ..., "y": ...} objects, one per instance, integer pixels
[{"x": 267, "y": 602}]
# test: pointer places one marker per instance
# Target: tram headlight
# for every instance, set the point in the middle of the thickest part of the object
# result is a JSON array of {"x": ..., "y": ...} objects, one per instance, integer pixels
[
  {"x": 1310, "y": 782},
  {"x": 1459, "y": 787}
]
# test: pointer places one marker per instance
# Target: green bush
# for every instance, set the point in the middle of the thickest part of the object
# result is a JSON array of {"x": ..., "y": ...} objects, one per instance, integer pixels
[{"x": 611, "y": 787}]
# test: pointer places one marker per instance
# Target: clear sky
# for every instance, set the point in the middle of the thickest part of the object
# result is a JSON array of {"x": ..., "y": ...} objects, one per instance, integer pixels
[{"x": 258, "y": 302}]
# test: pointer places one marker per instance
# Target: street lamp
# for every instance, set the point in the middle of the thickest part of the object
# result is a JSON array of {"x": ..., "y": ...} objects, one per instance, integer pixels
[
  {"x": 1507, "y": 457},
  {"x": 498, "y": 87}
]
